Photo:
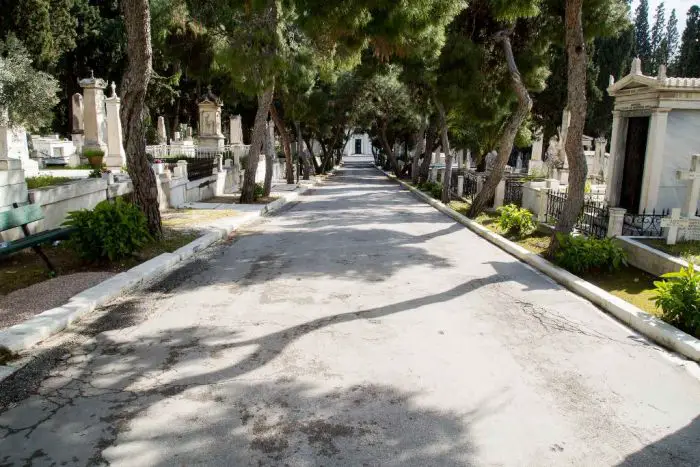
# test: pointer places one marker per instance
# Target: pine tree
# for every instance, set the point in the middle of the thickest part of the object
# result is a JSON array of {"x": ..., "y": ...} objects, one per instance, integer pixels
[
  {"x": 641, "y": 29},
  {"x": 689, "y": 55},
  {"x": 658, "y": 40},
  {"x": 672, "y": 40}
]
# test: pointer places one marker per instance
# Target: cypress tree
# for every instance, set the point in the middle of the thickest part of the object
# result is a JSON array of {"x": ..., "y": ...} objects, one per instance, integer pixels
[
  {"x": 641, "y": 30},
  {"x": 658, "y": 39},
  {"x": 689, "y": 56},
  {"x": 672, "y": 40}
]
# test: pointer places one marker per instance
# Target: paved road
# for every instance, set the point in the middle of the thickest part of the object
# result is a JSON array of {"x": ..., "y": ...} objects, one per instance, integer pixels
[{"x": 360, "y": 327}]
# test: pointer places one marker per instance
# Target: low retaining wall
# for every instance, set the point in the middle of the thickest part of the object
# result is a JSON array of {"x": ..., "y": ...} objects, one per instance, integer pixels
[{"x": 649, "y": 259}]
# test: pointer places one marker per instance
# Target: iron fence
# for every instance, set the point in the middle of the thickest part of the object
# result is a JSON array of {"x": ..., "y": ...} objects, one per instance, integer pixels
[
  {"x": 182, "y": 152},
  {"x": 592, "y": 221},
  {"x": 470, "y": 186},
  {"x": 514, "y": 191},
  {"x": 200, "y": 168},
  {"x": 644, "y": 224}
]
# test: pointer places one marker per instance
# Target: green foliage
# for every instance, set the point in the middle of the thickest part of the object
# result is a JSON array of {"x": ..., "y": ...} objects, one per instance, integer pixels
[
  {"x": 580, "y": 254},
  {"x": 88, "y": 153},
  {"x": 642, "y": 47},
  {"x": 26, "y": 94},
  {"x": 516, "y": 221},
  {"x": 436, "y": 190},
  {"x": 678, "y": 296},
  {"x": 112, "y": 230},
  {"x": 45, "y": 180},
  {"x": 688, "y": 64},
  {"x": 259, "y": 191}
]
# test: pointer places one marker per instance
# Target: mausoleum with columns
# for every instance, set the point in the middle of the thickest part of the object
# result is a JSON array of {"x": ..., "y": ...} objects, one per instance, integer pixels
[{"x": 656, "y": 130}]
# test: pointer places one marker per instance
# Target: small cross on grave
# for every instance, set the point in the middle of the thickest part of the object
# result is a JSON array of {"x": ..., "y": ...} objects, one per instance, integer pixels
[
  {"x": 675, "y": 222},
  {"x": 692, "y": 176}
]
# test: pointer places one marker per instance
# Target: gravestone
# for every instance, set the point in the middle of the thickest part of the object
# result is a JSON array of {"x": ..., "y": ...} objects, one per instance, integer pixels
[
  {"x": 235, "y": 130},
  {"x": 491, "y": 160},
  {"x": 535, "y": 165},
  {"x": 116, "y": 156},
  {"x": 690, "y": 226},
  {"x": 95, "y": 119},
  {"x": 210, "y": 135},
  {"x": 682, "y": 221},
  {"x": 519, "y": 163},
  {"x": 692, "y": 177},
  {"x": 162, "y": 135}
]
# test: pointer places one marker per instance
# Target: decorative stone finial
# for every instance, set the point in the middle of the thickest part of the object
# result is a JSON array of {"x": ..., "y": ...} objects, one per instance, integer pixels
[
  {"x": 92, "y": 73},
  {"x": 114, "y": 89},
  {"x": 636, "y": 66},
  {"x": 611, "y": 80},
  {"x": 662, "y": 72}
]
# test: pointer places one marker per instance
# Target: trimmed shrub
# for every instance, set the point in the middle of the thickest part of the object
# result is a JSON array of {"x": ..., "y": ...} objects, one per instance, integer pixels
[
  {"x": 514, "y": 220},
  {"x": 259, "y": 191},
  {"x": 112, "y": 230},
  {"x": 581, "y": 254},
  {"x": 436, "y": 190},
  {"x": 678, "y": 296}
]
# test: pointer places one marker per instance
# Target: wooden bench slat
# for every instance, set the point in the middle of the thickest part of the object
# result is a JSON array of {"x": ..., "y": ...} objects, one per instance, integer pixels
[
  {"x": 20, "y": 216},
  {"x": 36, "y": 239}
]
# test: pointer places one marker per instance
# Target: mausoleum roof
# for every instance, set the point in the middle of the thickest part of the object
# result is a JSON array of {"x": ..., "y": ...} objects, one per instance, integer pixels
[{"x": 635, "y": 79}]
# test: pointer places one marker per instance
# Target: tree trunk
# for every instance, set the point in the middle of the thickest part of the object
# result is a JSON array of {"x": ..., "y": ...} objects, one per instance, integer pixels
[
  {"x": 576, "y": 104},
  {"x": 388, "y": 149},
  {"x": 270, "y": 156},
  {"x": 505, "y": 145},
  {"x": 264, "y": 101},
  {"x": 286, "y": 143},
  {"x": 447, "y": 179},
  {"x": 420, "y": 143},
  {"x": 137, "y": 21},
  {"x": 429, "y": 148},
  {"x": 301, "y": 153},
  {"x": 312, "y": 156}
]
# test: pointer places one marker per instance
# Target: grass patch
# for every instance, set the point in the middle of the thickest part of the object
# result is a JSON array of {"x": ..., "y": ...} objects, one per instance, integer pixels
[
  {"x": 69, "y": 167},
  {"x": 461, "y": 207},
  {"x": 689, "y": 251},
  {"x": 45, "y": 180},
  {"x": 26, "y": 268}
]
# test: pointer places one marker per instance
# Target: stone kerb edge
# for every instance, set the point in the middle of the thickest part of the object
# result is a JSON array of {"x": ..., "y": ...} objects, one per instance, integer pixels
[
  {"x": 648, "y": 325},
  {"x": 28, "y": 333}
]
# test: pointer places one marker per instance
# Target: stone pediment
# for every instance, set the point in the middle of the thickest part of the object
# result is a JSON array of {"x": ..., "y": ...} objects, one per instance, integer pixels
[{"x": 640, "y": 82}]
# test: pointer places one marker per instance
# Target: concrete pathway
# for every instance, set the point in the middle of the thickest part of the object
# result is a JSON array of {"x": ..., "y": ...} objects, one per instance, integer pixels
[{"x": 360, "y": 327}]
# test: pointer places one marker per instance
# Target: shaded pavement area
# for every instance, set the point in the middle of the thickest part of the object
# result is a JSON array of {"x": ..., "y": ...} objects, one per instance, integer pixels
[{"x": 358, "y": 327}]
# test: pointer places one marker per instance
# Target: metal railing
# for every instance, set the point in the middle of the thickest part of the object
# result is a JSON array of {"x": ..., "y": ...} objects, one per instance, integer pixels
[
  {"x": 176, "y": 151},
  {"x": 592, "y": 221},
  {"x": 514, "y": 191},
  {"x": 644, "y": 224}
]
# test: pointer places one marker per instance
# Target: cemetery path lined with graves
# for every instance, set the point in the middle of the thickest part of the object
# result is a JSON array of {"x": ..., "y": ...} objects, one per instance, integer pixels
[{"x": 359, "y": 327}]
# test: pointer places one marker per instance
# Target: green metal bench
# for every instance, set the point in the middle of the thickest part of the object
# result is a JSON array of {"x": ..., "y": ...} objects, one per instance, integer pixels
[{"x": 20, "y": 216}]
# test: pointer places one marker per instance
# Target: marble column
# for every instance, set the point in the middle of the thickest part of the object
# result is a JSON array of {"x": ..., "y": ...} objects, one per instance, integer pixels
[
  {"x": 94, "y": 113},
  {"x": 653, "y": 159},
  {"x": 617, "y": 158},
  {"x": 116, "y": 156}
]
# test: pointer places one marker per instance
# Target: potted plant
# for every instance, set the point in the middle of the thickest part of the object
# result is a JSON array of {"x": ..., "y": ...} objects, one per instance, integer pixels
[{"x": 94, "y": 157}]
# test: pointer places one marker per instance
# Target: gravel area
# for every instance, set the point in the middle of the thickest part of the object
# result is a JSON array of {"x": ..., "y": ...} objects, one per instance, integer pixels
[{"x": 22, "y": 304}]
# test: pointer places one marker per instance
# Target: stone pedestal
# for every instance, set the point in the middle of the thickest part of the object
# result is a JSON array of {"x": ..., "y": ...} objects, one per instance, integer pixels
[
  {"x": 162, "y": 135},
  {"x": 460, "y": 185},
  {"x": 116, "y": 156},
  {"x": 499, "y": 194},
  {"x": 210, "y": 135},
  {"x": 616, "y": 220},
  {"x": 94, "y": 113}
]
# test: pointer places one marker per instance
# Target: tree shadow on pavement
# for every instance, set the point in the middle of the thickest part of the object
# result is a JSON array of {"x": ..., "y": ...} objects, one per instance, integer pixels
[
  {"x": 184, "y": 395},
  {"x": 681, "y": 448}
]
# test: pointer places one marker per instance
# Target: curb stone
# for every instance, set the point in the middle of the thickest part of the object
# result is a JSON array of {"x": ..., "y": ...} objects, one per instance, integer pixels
[
  {"x": 24, "y": 335},
  {"x": 648, "y": 325}
]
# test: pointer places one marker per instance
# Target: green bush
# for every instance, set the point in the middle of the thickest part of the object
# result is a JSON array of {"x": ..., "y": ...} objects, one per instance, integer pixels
[
  {"x": 45, "y": 180},
  {"x": 112, "y": 230},
  {"x": 678, "y": 296},
  {"x": 88, "y": 153},
  {"x": 259, "y": 191},
  {"x": 436, "y": 190},
  {"x": 515, "y": 221},
  {"x": 581, "y": 254}
]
